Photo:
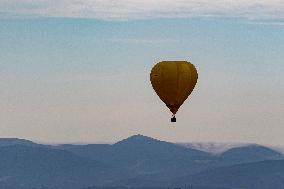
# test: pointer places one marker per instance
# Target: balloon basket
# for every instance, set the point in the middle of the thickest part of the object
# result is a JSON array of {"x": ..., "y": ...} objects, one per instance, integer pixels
[{"x": 173, "y": 119}]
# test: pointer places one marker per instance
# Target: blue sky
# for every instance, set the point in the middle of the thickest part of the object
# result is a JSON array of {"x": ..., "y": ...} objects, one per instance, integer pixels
[{"x": 84, "y": 77}]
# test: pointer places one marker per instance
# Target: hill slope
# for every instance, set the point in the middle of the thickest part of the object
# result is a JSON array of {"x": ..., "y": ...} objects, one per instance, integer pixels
[
  {"x": 36, "y": 166},
  {"x": 260, "y": 175},
  {"x": 137, "y": 161},
  {"x": 142, "y": 155},
  {"x": 250, "y": 153}
]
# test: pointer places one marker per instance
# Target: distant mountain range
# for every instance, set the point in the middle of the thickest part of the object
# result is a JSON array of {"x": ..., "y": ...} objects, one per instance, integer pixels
[
  {"x": 15, "y": 141},
  {"x": 260, "y": 175},
  {"x": 218, "y": 148},
  {"x": 213, "y": 148},
  {"x": 137, "y": 162}
]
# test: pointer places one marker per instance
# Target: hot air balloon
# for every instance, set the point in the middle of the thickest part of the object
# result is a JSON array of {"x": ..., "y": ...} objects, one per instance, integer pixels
[{"x": 173, "y": 81}]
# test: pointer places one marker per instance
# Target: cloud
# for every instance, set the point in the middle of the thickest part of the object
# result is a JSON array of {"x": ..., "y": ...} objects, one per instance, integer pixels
[{"x": 143, "y": 9}]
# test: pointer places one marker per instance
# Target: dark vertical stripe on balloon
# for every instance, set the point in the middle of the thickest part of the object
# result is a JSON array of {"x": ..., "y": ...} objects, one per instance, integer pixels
[
  {"x": 162, "y": 81},
  {"x": 177, "y": 83},
  {"x": 188, "y": 85}
]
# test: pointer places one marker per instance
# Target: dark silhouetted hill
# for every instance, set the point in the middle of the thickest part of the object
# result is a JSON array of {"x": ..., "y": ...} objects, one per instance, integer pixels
[
  {"x": 184, "y": 187},
  {"x": 143, "y": 155},
  {"x": 260, "y": 175},
  {"x": 135, "y": 162},
  {"x": 28, "y": 166},
  {"x": 15, "y": 141},
  {"x": 250, "y": 153}
]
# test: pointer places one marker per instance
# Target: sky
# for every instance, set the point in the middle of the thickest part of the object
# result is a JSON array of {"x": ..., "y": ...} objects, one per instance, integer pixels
[{"x": 78, "y": 71}]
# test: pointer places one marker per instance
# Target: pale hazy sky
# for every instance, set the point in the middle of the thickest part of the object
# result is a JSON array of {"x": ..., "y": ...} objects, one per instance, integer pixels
[{"x": 78, "y": 71}]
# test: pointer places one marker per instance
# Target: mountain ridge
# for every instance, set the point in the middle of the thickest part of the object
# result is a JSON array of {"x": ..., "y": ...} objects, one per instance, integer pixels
[
  {"x": 262, "y": 175},
  {"x": 215, "y": 148},
  {"x": 137, "y": 161}
]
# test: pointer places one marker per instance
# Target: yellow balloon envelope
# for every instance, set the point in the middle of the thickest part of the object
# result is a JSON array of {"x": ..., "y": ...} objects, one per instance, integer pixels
[{"x": 173, "y": 82}]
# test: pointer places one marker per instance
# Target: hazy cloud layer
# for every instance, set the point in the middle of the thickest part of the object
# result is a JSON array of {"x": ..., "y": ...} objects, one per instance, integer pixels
[{"x": 141, "y": 9}]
